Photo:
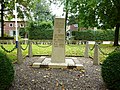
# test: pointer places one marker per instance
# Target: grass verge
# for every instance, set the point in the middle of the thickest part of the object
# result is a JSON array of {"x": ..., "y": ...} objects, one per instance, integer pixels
[{"x": 71, "y": 50}]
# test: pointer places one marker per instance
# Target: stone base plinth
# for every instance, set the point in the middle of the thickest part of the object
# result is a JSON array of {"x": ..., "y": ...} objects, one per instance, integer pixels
[
  {"x": 70, "y": 63},
  {"x": 57, "y": 65}
]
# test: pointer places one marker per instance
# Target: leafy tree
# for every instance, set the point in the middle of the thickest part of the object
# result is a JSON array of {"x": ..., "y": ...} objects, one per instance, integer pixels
[
  {"x": 84, "y": 12},
  {"x": 109, "y": 15},
  {"x": 41, "y": 11},
  {"x": 24, "y": 8},
  {"x": 97, "y": 13},
  {"x": 72, "y": 20}
]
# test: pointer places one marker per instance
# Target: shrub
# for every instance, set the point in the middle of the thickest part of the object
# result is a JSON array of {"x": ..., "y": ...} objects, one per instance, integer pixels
[
  {"x": 6, "y": 72},
  {"x": 22, "y": 32},
  {"x": 111, "y": 71},
  {"x": 103, "y": 35},
  {"x": 42, "y": 30}
]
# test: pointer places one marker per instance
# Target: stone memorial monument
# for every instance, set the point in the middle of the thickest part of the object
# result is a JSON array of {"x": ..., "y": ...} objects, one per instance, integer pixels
[
  {"x": 58, "y": 46},
  {"x": 58, "y": 59}
]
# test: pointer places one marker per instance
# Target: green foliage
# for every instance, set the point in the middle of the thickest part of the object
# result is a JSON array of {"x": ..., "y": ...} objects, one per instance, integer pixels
[
  {"x": 93, "y": 13},
  {"x": 103, "y": 35},
  {"x": 72, "y": 20},
  {"x": 42, "y": 30},
  {"x": 84, "y": 13},
  {"x": 6, "y": 72},
  {"x": 6, "y": 35},
  {"x": 104, "y": 14},
  {"x": 110, "y": 16},
  {"x": 42, "y": 11},
  {"x": 22, "y": 32},
  {"x": 111, "y": 71},
  {"x": 24, "y": 8}
]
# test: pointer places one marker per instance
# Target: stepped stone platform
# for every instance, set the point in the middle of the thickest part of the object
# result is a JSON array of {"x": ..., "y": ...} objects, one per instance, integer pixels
[
  {"x": 58, "y": 59},
  {"x": 70, "y": 63}
]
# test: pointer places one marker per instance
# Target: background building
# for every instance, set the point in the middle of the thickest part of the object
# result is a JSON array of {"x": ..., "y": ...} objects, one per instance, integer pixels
[{"x": 9, "y": 27}]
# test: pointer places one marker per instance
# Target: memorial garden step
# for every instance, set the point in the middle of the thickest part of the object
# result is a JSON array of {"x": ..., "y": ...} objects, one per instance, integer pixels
[
  {"x": 38, "y": 62},
  {"x": 70, "y": 63},
  {"x": 40, "y": 59}
]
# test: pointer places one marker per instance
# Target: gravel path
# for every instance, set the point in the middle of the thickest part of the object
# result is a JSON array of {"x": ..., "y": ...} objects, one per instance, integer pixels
[{"x": 27, "y": 78}]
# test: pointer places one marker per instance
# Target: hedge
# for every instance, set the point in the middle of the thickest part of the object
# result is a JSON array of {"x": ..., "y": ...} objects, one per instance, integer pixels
[
  {"x": 40, "y": 30},
  {"x": 105, "y": 35},
  {"x": 44, "y": 30},
  {"x": 37, "y": 34}
]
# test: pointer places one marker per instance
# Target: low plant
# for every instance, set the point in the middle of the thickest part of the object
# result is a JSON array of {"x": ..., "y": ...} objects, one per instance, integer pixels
[
  {"x": 6, "y": 71},
  {"x": 111, "y": 71}
]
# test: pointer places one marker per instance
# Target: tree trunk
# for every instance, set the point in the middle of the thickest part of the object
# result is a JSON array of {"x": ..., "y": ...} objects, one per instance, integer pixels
[
  {"x": 2, "y": 19},
  {"x": 66, "y": 16},
  {"x": 116, "y": 37},
  {"x": 26, "y": 35}
]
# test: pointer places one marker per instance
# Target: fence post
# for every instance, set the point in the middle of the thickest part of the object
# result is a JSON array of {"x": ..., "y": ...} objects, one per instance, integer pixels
[
  {"x": 96, "y": 55},
  {"x": 19, "y": 54},
  {"x": 11, "y": 42},
  {"x": 30, "y": 49},
  {"x": 86, "y": 53}
]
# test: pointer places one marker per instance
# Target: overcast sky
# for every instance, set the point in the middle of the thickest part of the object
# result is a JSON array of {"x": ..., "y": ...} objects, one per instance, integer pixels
[{"x": 56, "y": 10}]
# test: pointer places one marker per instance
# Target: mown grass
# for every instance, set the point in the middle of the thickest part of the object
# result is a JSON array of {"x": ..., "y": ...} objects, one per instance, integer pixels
[
  {"x": 71, "y": 50},
  {"x": 106, "y": 48}
]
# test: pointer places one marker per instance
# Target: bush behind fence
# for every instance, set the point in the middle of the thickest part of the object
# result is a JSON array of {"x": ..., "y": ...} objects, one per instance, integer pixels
[
  {"x": 90, "y": 35},
  {"x": 103, "y": 35}
]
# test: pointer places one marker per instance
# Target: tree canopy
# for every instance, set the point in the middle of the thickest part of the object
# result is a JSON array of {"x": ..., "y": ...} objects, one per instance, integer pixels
[
  {"x": 41, "y": 11},
  {"x": 24, "y": 8},
  {"x": 87, "y": 13},
  {"x": 95, "y": 13}
]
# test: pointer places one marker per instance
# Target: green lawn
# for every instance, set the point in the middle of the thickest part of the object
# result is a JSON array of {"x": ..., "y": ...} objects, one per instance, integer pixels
[
  {"x": 71, "y": 50},
  {"x": 106, "y": 48}
]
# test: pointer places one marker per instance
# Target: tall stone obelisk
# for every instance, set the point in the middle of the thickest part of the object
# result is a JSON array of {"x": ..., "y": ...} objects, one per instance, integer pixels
[
  {"x": 58, "y": 59},
  {"x": 58, "y": 46}
]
